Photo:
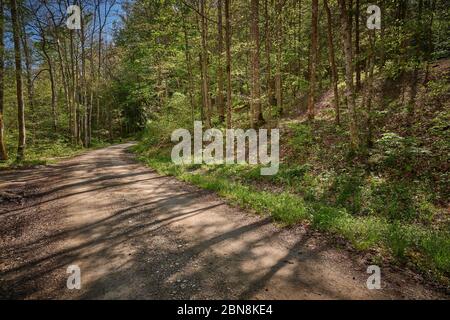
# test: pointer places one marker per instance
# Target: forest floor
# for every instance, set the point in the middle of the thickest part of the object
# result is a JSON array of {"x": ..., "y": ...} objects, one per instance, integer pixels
[{"x": 139, "y": 235}]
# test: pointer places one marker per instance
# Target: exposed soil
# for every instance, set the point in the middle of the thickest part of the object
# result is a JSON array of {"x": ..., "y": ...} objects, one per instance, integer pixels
[{"x": 138, "y": 235}]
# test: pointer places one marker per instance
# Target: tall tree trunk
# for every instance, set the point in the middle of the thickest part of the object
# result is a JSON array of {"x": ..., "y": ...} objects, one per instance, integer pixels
[
  {"x": 187, "y": 53},
  {"x": 99, "y": 70},
  {"x": 279, "y": 41},
  {"x": 314, "y": 58},
  {"x": 268, "y": 49},
  {"x": 299, "y": 34},
  {"x": 19, "y": 92},
  {"x": 202, "y": 91},
  {"x": 3, "y": 152},
  {"x": 256, "y": 112},
  {"x": 370, "y": 89},
  {"x": 27, "y": 56},
  {"x": 228, "y": 51},
  {"x": 349, "y": 86},
  {"x": 93, "y": 76},
  {"x": 357, "y": 45},
  {"x": 52, "y": 81},
  {"x": 429, "y": 49},
  {"x": 73, "y": 92},
  {"x": 65, "y": 73},
  {"x": 205, "y": 85},
  {"x": 220, "y": 80},
  {"x": 332, "y": 61},
  {"x": 83, "y": 84}
]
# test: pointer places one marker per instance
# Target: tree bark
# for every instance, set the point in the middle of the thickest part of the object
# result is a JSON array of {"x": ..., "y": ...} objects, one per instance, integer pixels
[
  {"x": 204, "y": 61},
  {"x": 370, "y": 89},
  {"x": 357, "y": 45},
  {"x": 256, "y": 112},
  {"x": 279, "y": 41},
  {"x": 349, "y": 86},
  {"x": 3, "y": 152},
  {"x": 28, "y": 60},
  {"x": 52, "y": 82},
  {"x": 18, "y": 63},
  {"x": 228, "y": 52},
  {"x": 314, "y": 58},
  {"x": 189, "y": 69},
  {"x": 332, "y": 61},
  {"x": 268, "y": 49},
  {"x": 83, "y": 85},
  {"x": 73, "y": 92},
  {"x": 220, "y": 80}
]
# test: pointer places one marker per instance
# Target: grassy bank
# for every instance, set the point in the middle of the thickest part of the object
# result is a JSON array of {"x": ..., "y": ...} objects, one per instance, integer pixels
[
  {"x": 422, "y": 247},
  {"x": 45, "y": 152}
]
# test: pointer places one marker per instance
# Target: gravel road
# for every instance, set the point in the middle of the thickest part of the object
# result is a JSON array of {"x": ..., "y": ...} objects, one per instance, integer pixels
[{"x": 138, "y": 235}]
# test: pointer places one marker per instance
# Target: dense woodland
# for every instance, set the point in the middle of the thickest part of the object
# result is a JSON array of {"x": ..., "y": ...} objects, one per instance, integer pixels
[{"x": 364, "y": 113}]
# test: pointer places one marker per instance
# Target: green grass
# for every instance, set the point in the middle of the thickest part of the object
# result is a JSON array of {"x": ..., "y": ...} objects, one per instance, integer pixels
[
  {"x": 427, "y": 249},
  {"x": 45, "y": 152}
]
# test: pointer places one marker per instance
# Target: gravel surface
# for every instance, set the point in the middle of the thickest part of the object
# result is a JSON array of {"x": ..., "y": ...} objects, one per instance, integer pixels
[{"x": 138, "y": 235}]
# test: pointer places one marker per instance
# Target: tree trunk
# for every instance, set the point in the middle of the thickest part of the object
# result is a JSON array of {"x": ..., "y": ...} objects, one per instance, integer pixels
[
  {"x": 99, "y": 67},
  {"x": 3, "y": 152},
  {"x": 19, "y": 92},
  {"x": 314, "y": 58},
  {"x": 370, "y": 89},
  {"x": 268, "y": 49},
  {"x": 299, "y": 38},
  {"x": 332, "y": 61},
  {"x": 52, "y": 82},
  {"x": 228, "y": 50},
  {"x": 83, "y": 84},
  {"x": 65, "y": 73},
  {"x": 279, "y": 41},
  {"x": 220, "y": 84},
  {"x": 28, "y": 60},
  {"x": 357, "y": 45},
  {"x": 256, "y": 113},
  {"x": 73, "y": 92},
  {"x": 189, "y": 69},
  {"x": 349, "y": 86},
  {"x": 204, "y": 61}
]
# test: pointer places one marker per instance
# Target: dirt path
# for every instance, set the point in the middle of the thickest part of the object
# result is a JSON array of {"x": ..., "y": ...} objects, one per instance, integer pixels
[{"x": 138, "y": 235}]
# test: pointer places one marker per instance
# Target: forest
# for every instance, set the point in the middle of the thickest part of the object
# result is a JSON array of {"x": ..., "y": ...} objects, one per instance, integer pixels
[{"x": 358, "y": 89}]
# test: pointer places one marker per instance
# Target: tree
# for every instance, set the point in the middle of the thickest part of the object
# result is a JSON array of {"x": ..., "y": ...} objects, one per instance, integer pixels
[
  {"x": 314, "y": 57},
  {"x": 357, "y": 45},
  {"x": 332, "y": 61},
  {"x": 228, "y": 50},
  {"x": 3, "y": 152},
  {"x": 220, "y": 80},
  {"x": 370, "y": 88},
  {"x": 19, "y": 92},
  {"x": 256, "y": 112},
  {"x": 204, "y": 64},
  {"x": 187, "y": 53},
  {"x": 279, "y": 62},
  {"x": 27, "y": 55},
  {"x": 349, "y": 86},
  {"x": 45, "y": 51},
  {"x": 268, "y": 49}
]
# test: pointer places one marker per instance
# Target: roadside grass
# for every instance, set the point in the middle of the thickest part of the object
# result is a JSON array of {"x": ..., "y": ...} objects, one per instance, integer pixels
[
  {"x": 423, "y": 247},
  {"x": 46, "y": 152}
]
